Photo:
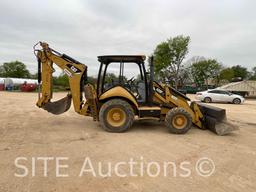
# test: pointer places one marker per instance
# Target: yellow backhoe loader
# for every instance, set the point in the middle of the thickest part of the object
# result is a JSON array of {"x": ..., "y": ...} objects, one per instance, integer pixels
[{"x": 117, "y": 100}]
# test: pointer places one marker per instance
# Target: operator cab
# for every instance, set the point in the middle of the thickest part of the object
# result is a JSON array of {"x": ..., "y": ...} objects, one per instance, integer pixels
[{"x": 127, "y": 71}]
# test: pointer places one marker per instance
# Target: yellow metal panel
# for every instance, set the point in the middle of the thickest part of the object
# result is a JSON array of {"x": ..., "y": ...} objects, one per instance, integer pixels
[
  {"x": 118, "y": 92},
  {"x": 164, "y": 111},
  {"x": 178, "y": 101},
  {"x": 149, "y": 108}
]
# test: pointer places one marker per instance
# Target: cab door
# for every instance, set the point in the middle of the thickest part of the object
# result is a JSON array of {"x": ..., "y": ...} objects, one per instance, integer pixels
[
  {"x": 225, "y": 96},
  {"x": 215, "y": 95}
]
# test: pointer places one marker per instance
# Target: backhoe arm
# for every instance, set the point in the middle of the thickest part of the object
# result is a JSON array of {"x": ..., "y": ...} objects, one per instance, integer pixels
[{"x": 77, "y": 75}]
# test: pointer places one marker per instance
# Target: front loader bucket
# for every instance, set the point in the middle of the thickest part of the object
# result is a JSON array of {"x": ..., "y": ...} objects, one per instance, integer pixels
[
  {"x": 58, "y": 107},
  {"x": 215, "y": 120}
]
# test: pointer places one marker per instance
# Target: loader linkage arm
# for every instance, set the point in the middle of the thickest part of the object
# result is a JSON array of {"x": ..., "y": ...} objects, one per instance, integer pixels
[
  {"x": 203, "y": 116},
  {"x": 77, "y": 75}
]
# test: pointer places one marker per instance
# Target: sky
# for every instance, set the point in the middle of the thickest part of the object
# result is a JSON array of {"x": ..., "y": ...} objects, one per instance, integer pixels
[{"x": 220, "y": 29}]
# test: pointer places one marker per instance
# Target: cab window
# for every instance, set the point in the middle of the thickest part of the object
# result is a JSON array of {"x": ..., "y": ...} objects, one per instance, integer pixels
[{"x": 128, "y": 75}]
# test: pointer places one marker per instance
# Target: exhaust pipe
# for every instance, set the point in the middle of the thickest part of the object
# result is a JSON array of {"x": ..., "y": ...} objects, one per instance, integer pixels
[
  {"x": 39, "y": 76},
  {"x": 151, "y": 79}
]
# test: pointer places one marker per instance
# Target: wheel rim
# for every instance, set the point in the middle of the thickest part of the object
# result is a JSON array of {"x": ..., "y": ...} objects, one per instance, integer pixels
[
  {"x": 179, "y": 121},
  {"x": 237, "y": 101},
  {"x": 207, "y": 100},
  {"x": 116, "y": 117}
]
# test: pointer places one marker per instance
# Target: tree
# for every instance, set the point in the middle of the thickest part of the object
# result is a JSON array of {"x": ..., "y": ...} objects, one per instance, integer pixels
[
  {"x": 202, "y": 71},
  {"x": 253, "y": 74},
  {"x": 227, "y": 74},
  {"x": 194, "y": 59},
  {"x": 188, "y": 77},
  {"x": 92, "y": 80},
  {"x": 34, "y": 76},
  {"x": 14, "y": 69},
  {"x": 240, "y": 71},
  {"x": 168, "y": 57},
  {"x": 61, "y": 80},
  {"x": 254, "y": 71},
  {"x": 185, "y": 77}
]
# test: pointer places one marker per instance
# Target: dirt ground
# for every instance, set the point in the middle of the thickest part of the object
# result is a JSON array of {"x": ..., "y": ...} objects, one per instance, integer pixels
[{"x": 29, "y": 132}]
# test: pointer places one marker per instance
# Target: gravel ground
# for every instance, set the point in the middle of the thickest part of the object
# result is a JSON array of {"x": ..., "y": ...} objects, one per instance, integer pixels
[{"x": 146, "y": 151}]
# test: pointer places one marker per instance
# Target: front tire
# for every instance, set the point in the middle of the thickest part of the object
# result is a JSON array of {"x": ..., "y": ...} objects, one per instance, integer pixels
[
  {"x": 207, "y": 100},
  {"x": 178, "y": 120},
  {"x": 237, "y": 101},
  {"x": 116, "y": 115}
]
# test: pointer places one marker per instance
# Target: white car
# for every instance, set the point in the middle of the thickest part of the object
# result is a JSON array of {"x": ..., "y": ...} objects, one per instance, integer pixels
[{"x": 218, "y": 95}]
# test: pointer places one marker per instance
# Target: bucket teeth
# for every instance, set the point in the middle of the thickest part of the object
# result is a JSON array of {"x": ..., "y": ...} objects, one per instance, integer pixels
[{"x": 58, "y": 107}]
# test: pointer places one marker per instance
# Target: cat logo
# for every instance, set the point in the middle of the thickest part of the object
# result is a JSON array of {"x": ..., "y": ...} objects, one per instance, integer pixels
[{"x": 73, "y": 69}]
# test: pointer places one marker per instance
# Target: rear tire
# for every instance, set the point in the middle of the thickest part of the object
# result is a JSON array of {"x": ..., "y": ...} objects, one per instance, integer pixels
[
  {"x": 116, "y": 115},
  {"x": 207, "y": 100},
  {"x": 178, "y": 120},
  {"x": 237, "y": 101}
]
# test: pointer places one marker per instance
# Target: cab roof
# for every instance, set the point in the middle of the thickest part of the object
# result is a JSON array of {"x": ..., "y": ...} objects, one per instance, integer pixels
[{"x": 121, "y": 58}]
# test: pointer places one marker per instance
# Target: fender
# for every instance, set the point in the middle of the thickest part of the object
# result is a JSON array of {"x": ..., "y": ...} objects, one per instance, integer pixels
[{"x": 118, "y": 92}]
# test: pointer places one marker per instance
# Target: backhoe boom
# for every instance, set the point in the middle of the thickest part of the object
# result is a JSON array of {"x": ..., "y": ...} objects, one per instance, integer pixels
[{"x": 77, "y": 75}]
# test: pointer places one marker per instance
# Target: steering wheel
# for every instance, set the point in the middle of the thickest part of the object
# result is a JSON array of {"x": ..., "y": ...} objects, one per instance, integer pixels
[
  {"x": 131, "y": 81},
  {"x": 132, "y": 86}
]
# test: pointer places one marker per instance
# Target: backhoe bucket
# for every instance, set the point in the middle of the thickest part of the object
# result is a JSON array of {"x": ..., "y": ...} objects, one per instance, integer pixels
[
  {"x": 215, "y": 120},
  {"x": 58, "y": 107}
]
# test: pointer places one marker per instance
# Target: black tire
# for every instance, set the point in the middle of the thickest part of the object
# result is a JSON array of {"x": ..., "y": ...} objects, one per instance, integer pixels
[
  {"x": 117, "y": 104},
  {"x": 236, "y": 101},
  {"x": 170, "y": 120},
  {"x": 207, "y": 100}
]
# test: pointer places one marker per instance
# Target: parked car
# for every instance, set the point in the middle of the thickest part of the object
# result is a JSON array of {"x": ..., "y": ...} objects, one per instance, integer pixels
[
  {"x": 184, "y": 92},
  {"x": 189, "y": 89},
  {"x": 217, "y": 95}
]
